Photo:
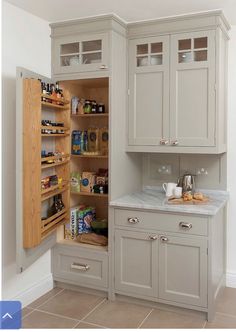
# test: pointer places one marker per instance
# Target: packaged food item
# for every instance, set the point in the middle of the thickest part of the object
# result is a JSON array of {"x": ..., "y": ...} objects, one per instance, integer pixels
[
  {"x": 94, "y": 107},
  {"x": 101, "y": 108},
  {"x": 71, "y": 228},
  {"x": 85, "y": 217},
  {"x": 87, "y": 181},
  {"x": 103, "y": 138},
  {"x": 87, "y": 107},
  {"x": 81, "y": 106},
  {"x": 85, "y": 141},
  {"x": 93, "y": 139},
  {"x": 77, "y": 142},
  {"x": 74, "y": 105},
  {"x": 75, "y": 182}
]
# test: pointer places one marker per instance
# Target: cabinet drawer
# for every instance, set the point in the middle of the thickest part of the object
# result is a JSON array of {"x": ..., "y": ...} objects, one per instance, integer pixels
[
  {"x": 83, "y": 267},
  {"x": 162, "y": 221}
]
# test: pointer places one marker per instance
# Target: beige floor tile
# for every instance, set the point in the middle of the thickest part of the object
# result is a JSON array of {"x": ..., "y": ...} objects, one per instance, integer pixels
[
  {"x": 71, "y": 304},
  {"x": 37, "y": 320},
  {"x": 222, "y": 321},
  {"x": 118, "y": 315},
  {"x": 166, "y": 319},
  {"x": 44, "y": 298},
  {"x": 227, "y": 303},
  {"x": 26, "y": 311},
  {"x": 83, "y": 325}
]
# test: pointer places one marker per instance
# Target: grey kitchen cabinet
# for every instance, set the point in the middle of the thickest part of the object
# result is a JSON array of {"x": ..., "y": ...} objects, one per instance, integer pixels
[
  {"x": 148, "y": 90},
  {"x": 168, "y": 257},
  {"x": 176, "y": 91},
  {"x": 183, "y": 269},
  {"x": 80, "y": 53},
  {"x": 136, "y": 262}
]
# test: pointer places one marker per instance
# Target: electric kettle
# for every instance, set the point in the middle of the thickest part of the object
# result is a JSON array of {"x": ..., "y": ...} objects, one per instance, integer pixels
[{"x": 187, "y": 182}]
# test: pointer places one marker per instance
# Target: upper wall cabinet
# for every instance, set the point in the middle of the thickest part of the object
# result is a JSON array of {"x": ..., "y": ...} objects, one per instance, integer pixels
[
  {"x": 177, "y": 86},
  {"x": 74, "y": 54}
]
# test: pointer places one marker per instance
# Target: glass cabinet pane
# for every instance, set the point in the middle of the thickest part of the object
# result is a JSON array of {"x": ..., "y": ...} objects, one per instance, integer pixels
[
  {"x": 200, "y": 42},
  {"x": 200, "y": 55},
  {"x": 142, "y": 61},
  {"x": 70, "y": 48},
  {"x": 185, "y": 57},
  {"x": 156, "y": 47},
  {"x": 92, "y": 45},
  {"x": 142, "y": 49},
  {"x": 89, "y": 58},
  {"x": 156, "y": 59},
  {"x": 185, "y": 44},
  {"x": 70, "y": 60}
]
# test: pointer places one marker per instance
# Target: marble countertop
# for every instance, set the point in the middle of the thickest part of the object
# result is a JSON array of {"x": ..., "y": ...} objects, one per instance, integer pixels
[{"x": 154, "y": 199}]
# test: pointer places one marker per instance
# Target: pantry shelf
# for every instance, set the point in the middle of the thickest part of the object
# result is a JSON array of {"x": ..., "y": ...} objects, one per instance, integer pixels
[
  {"x": 89, "y": 156},
  {"x": 54, "y": 135},
  {"x": 44, "y": 166},
  {"x": 52, "y": 193},
  {"x": 59, "y": 221},
  {"x": 55, "y": 128},
  {"x": 55, "y": 157},
  {"x": 89, "y": 194}
]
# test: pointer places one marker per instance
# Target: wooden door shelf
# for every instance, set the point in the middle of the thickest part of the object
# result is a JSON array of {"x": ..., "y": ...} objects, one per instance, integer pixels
[
  {"x": 52, "y": 222},
  {"x": 55, "y": 157},
  {"x": 54, "y": 135},
  {"x": 89, "y": 156},
  {"x": 55, "y": 128},
  {"x": 62, "y": 100},
  {"x": 89, "y": 194},
  {"x": 45, "y": 166},
  {"x": 53, "y": 192},
  {"x": 54, "y": 106},
  {"x": 98, "y": 115}
]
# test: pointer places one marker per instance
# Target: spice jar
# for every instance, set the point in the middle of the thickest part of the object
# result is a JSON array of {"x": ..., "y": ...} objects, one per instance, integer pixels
[
  {"x": 101, "y": 108},
  {"x": 87, "y": 107}
]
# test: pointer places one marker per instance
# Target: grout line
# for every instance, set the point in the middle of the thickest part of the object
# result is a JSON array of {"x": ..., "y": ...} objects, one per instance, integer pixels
[
  {"x": 94, "y": 309},
  {"x": 145, "y": 318},
  {"x": 59, "y": 292},
  {"x": 23, "y": 317},
  {"x": 57, "y": 315},
  {"x": 204, "y": 325},
  {"x": 96, "y": 325}
]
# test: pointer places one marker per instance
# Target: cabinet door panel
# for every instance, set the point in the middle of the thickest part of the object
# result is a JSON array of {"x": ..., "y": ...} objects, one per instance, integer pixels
[
  {"x": 148, "y": 86},
  {"x": 183, "y": 270},
  {"x": 192, "y": 89},
  {"x": 136, "y": 263}
]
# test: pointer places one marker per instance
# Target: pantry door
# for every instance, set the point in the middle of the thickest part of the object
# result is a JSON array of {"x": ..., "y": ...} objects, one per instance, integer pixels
[{"x": 26, "y": 257}]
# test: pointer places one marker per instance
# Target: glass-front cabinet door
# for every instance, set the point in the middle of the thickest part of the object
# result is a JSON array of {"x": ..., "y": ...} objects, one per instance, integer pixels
[
  {"x": 79, "y": 54},
  {"x": 192, "y": 89},
  {"x": 149, "y": 91}
]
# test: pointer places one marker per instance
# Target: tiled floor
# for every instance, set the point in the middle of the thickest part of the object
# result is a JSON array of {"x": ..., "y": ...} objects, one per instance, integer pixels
[{"x": 61, "y": 308}]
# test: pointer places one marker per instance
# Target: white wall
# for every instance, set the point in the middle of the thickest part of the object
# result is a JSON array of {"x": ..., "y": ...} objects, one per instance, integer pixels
[
  {"x": 26, "y": 43},
  {"x": 231, "y": 264}
]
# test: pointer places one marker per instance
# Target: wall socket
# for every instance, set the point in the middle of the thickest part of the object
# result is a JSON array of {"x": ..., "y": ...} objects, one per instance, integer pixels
[
  {"x": 202, "y": 171},
  {"x": 164, "y": 169}
]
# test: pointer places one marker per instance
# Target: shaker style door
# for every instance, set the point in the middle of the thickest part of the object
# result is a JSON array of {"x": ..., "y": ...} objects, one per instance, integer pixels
[
  {"x": 136, "y": 261},
  {"x": 183, "y": 270},
  {"x": 148, "y": 91},
  {"x": 192, "y": 89},
  {"x": 73, "y": 54}
]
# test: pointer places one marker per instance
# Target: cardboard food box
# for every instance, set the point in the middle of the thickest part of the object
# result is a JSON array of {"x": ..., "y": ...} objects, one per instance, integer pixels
[
  {"x": 88, "y": 180},
  {"x": 104, "y": 139},
  {"x": 93, "y": 139}
]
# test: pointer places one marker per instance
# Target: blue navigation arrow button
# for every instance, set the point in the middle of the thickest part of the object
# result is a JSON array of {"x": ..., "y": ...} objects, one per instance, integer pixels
[{"x": 10, "y": 312}]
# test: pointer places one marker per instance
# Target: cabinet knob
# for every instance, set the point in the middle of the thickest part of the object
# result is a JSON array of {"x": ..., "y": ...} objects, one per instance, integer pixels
[
  {"x": 103, "y": 67},
  {"x": 133, "y": 220},
  {"x": 77, "y": 266},
  {"x": 164, "y": 141},
  {"x": 164, "y": 239},
  {"x": 153, "y": 237},
  {"x": 174, "y": 143},
  {"x": 185, "y": 225}
]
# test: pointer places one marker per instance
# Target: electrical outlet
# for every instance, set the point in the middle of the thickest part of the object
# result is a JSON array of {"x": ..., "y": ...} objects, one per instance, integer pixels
[
  {"x": 202, "y": 171},
  {"x": 164, "y": 169}
]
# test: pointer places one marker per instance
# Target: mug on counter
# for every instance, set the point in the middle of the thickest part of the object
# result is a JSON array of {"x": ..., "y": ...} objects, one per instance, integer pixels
[{"x": 169, "y": 188}]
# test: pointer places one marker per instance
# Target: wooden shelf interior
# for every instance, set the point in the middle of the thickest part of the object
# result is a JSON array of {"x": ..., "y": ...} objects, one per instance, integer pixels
[
  {"x": 54, "y": 106},
  {"x": 62, "y": 100}
]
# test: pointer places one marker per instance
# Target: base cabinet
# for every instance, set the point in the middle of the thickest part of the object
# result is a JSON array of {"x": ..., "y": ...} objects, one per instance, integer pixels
[
  {"x": 136, "y": 262},
  {"x": 183, "y": 270}
]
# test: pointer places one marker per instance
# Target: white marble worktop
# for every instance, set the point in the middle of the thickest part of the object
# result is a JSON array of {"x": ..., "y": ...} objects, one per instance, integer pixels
[{"x": 153, "y": 198}]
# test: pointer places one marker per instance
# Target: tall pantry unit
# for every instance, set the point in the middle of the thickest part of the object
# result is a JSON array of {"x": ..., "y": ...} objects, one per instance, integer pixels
[{"x": 85, "y": 65}]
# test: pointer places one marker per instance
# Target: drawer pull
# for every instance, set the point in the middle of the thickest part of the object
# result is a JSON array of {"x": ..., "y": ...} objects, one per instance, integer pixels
[
  {"x": 164, "y": 239},
  {"x": 83, "y": 267},
  {"x": 164, "y": 142},
  {"x": 133, "y": 220},
  {"x": 153, "y": 237},
  {"x": 185, "y": 225},
  {"x": 103, "y": 67}
]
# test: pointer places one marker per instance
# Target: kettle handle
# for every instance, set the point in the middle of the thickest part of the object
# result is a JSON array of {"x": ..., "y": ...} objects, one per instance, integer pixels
[{"x": 180, "y": 181}]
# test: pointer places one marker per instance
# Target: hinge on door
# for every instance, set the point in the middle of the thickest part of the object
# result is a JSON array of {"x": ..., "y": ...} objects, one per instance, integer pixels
[
  {"x": 21, "y": 269},
  {"x": 21, "y": 74},
  {"x": 128, "y": 92},
  {"x": 207, "y": 251}
]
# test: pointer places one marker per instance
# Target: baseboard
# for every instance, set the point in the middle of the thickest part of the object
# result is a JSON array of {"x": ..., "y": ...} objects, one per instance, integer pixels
[
  {"x": 231, "y": 279},
  {"x": 35, "y": 291}
]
